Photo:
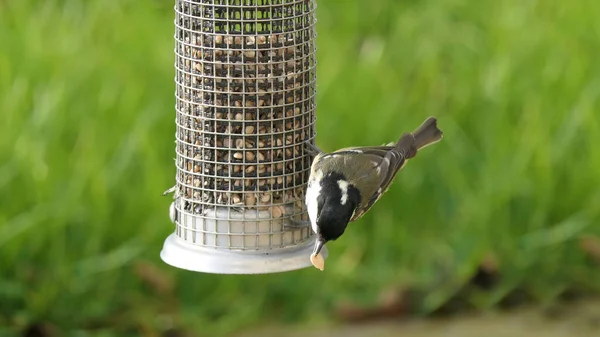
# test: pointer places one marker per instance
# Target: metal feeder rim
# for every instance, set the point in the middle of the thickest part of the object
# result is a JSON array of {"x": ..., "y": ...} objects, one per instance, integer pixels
[{"x": 180, "y": 254}]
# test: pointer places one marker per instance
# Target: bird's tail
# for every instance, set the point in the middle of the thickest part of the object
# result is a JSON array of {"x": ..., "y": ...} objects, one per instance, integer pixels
[{"x": 426, "y": 134}]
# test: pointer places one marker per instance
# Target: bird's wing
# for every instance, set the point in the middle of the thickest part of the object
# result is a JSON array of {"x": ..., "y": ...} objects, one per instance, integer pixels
[
  {"x": 389, "y": 165},
  {"x": 386, "y": 161}
]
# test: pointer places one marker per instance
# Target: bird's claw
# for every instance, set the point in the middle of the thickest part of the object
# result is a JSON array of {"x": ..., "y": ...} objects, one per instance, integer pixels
[
  {"x": 170, "y": 190},
  {"x": 311, "y": 149},
  {"x": 292, "y": 224}
]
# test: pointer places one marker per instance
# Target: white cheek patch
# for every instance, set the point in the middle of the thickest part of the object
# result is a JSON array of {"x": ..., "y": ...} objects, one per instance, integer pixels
[
  {"x": 344, "y": 188},
  {"x": 312, "y": 194}
]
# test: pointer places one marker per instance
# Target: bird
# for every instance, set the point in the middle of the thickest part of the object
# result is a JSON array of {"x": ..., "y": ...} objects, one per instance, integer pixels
[{"x": 343, "y": 185}]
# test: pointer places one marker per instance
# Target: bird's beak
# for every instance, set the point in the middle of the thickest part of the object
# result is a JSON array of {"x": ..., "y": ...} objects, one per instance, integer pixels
[
  {"x": 316, "y": 258},
  {"x": 318, "y": 246}
]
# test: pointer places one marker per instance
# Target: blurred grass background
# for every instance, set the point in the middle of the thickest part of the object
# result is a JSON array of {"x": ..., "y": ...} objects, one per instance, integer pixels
[{"x": 86, "y": 148}]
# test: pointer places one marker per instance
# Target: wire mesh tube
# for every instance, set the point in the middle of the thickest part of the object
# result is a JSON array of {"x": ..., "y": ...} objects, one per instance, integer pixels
[{"x": 245, "y": 101}]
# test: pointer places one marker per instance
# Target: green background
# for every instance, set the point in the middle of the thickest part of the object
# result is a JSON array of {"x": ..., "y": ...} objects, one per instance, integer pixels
[{"x": 86, "y": 147}]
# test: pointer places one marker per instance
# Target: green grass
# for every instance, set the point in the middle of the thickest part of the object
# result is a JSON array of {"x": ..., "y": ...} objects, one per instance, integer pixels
[{"x": 86, "y": 148}]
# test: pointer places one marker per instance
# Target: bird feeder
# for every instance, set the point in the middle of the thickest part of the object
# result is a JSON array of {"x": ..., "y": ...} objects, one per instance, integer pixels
[{"x": 245, "y": 102}]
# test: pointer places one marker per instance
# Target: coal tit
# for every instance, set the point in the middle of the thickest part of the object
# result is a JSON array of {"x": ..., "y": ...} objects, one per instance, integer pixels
[{"x": 343, "y": 185}]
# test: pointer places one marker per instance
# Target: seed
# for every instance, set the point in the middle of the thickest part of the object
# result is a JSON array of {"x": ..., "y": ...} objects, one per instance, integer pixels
[
  {"x": 265, "y": 198},
  {"x": 261, "y": 156},
  {"x": 250, "y": 156},
  {"x": 276, "y": 211},
  {"x": 239, "y": 116},
  {"x": 250, "y": 199},
  {"x": 249, "y": 129},
  {"x": 235, "y": 199},
  {"x": 250, "y": 169},
  {"x": 318, "y": 261},
  {"x": 238, "y": 155}
]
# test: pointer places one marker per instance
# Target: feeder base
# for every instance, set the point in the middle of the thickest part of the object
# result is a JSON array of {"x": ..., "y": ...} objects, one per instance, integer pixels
[{"x": 178, "y": 253}]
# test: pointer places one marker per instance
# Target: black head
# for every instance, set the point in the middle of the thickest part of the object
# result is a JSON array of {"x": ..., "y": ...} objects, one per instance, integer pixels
[{"x": 337, "y": 201}]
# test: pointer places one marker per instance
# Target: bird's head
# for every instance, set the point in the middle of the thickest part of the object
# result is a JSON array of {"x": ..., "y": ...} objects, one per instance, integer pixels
[{"x": 331, "y": 203}]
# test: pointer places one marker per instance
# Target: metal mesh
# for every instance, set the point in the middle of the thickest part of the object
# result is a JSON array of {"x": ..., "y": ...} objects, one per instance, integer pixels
[{"x": 245, "y": 75}]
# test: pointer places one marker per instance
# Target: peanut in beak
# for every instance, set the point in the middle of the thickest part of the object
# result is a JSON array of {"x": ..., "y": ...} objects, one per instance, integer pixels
[{"x": 317, "y": 261}]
